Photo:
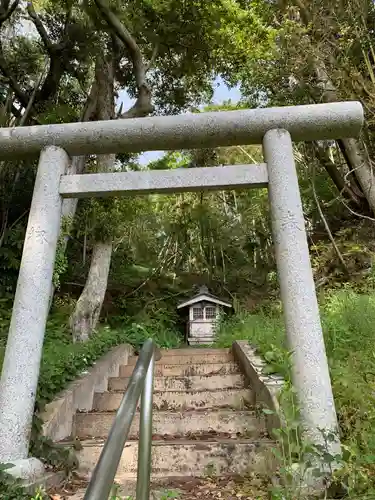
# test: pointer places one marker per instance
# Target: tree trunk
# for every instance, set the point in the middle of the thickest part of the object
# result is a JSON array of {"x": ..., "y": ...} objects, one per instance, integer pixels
[
  {"x": 85, "y": 317},
  {"x": 351, "y": 193},
  {"x": 361, "y": 165},
  {"x": 355, "y": 152},
  {"x": 77, "y": 166}
]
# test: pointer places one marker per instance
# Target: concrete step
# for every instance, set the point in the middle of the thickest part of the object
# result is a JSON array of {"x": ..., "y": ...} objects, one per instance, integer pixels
[
  {"x": 189, "y": 351},
  {"x": 198, "y": 356},
  {"x": 203, "y": 341},
  {"x": 177, "y": 400},
  {"x": 201, "y": 424},
  {"x": 186, "y": 458},
  {"x": 171, "y": 370},
  {"x": 195, "y": 382}
]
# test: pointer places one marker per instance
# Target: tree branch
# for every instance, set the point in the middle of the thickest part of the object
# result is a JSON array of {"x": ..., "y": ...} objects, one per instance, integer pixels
[
  {"x": 142, "y": 106},
  {"x": 40, "y": 28},
  {"x": 303, "y": 11},
  {"x": 324, "y": 220},
  {"x": 352, "y": 167},
  {"x": 67, "y": 21},
  {"x": 124, "y": 35},
  {"x": 6, "y": 11},
  {"x": 343, "y": 187},
  {"x": 153, "y": 57},
  {"x": 20, "y": 95},
  {"x": 30, "y": 104},
  {"x": 90, "y": 104}
]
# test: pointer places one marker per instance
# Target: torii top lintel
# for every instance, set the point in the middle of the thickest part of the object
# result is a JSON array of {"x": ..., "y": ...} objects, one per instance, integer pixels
[{"x": 310, "y": 122}]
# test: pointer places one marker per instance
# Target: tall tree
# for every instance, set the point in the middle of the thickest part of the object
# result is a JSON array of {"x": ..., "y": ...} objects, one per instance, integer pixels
[
  {"x": 322, "y": 52},
  {"x": 322, "y": 59},
  {"x": 154, "y": 48},
  {"x": 53, "y": 59}
]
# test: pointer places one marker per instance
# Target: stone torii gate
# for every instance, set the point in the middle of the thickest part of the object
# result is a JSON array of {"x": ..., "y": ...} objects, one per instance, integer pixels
[{"x": 275, "y": 128}]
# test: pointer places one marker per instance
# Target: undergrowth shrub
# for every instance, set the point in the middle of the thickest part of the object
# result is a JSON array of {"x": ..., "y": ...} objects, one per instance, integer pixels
[
  {"x": 62, "y": 362},
  {"x": 348, "y": 321}
]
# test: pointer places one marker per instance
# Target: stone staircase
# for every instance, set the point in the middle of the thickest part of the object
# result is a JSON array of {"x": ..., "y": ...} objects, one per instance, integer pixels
[{"x": 204, "y": 423}]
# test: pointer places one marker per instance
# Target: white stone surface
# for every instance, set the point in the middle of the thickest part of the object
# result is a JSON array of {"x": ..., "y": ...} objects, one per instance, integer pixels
[
  {"x": 19, "y": 379},
  {"x": 310, "y": 371},
  {"x": 164, "y": 181},
  {"x": 196, "y": 130}
]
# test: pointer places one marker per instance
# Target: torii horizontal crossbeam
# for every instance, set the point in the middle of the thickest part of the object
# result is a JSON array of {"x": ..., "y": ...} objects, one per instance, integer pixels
[{"x": 164, "y": 181}]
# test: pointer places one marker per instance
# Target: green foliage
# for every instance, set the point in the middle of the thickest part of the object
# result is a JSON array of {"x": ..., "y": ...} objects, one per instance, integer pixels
[
  {"x": 347, "y": 319},
  {"x": 10, "y": 257},
  {"x": 12, "y": 489},
  {"x": 300, "y": 461},
  {"x": 115, "y": 493},
  {"x": 39, "y": 495},
  {"x": 169, "y": 495},
  {"x": 158, "y": 323},
  {"x": 63, "y": 362},
  {"x": 61, "y": 259},
  {"x": 165, "y": 244},
  {"x": 109, "y": 218},
  {"x": 263, "y": 329},
  {"x": 166, "y": 338},
  {"x": 343, "y": 475}
]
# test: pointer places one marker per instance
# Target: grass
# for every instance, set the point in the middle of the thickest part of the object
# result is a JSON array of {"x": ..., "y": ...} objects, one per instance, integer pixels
[
  {"x": 63, "y": 361},
  {"x": 348, "y": 320}
]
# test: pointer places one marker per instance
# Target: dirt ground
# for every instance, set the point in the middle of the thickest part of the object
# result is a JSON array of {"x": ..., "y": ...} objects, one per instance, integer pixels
[{"x": 233, "y": 488}]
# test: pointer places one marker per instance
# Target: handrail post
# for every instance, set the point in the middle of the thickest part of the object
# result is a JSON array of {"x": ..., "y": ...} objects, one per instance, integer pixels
[{"x": 145, "y": 435}]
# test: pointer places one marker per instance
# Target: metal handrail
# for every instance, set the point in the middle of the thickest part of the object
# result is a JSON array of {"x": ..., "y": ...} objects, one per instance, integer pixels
[{"x": 141, "y": 382}]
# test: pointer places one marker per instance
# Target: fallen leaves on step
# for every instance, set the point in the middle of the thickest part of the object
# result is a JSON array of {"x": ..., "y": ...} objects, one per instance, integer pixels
[{"x": 253, "y": 487}]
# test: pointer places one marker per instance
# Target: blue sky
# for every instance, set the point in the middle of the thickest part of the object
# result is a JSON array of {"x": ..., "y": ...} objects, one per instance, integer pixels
[{"x": 221, "y": 93}]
